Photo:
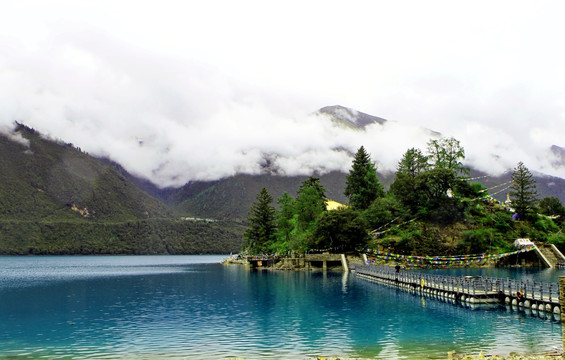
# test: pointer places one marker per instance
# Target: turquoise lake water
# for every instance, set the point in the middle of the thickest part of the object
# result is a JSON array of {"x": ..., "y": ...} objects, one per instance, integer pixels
[{"x": 191, "y": 307}]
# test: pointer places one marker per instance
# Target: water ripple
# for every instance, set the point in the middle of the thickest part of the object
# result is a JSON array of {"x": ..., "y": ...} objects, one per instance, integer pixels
[{"x": 193, "y": 311}]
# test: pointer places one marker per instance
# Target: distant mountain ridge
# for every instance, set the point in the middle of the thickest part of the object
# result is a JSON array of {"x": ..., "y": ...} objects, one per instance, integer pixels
[{"x": 69, "y": 182}]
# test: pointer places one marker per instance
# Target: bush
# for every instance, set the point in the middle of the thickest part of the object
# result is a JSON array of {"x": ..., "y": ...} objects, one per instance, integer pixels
[
  {"x": 545, "y": 224},
  {"x": 464, "y": 189},
  {"x": 448, "y": 212},
  {"x": 407, "y": 242},
  {"x": 478, "y": 241},
  {"x": 340, "y": 230},
  {"x": 503, "y": 222},
  {"x": 557, "y": 240},
  {"x": 383, "y": 210},
  {"x": 476, "y": 209}
]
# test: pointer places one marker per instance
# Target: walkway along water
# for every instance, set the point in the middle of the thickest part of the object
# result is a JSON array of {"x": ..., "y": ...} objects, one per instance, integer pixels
[
  {"x": 323, "y": 262},
  {"x": 534, "y": 295}
]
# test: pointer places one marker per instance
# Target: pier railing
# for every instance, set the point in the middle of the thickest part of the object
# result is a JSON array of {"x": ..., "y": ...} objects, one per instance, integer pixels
[{"x": 476, "y": 286}]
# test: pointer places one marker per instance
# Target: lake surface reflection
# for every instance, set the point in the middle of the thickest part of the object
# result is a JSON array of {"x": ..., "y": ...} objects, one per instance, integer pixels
[{"x": 191, "y": 307}]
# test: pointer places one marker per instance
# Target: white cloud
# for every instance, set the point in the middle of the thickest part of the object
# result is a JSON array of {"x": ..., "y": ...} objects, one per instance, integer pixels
[
  {"x": 10, "y": 132},
  {"x": 199, "y": 90}
]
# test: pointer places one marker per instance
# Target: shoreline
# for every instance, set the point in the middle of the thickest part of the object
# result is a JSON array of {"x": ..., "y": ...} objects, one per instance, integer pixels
[{"x": 285, "y": 263}]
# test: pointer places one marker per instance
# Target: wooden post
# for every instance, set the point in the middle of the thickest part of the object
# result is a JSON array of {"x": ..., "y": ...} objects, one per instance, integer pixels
[{"x": 562, "y": 306}]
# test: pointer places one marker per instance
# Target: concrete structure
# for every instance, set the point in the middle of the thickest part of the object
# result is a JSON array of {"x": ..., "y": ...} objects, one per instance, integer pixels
[
  {"x": 324, "y": 262},
  {"x": 550, "y": 254},
  {"x": 543, "y": 255}
]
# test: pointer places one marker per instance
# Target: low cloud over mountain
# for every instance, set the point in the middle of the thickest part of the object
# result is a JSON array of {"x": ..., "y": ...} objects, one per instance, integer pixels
[{"x": 260, "y": 143}]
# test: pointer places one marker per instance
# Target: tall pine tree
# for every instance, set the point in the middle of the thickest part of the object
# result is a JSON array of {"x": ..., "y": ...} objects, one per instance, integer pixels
[
  {"x": 310, "y": 202},
  {"x": 413, "y": 163},
  {"x": 362, "y": 184},
  {"x": 261, "y": 229},
  {"x": 286, "y": 221},
  {"x": 523, "y": 191},
  {"x": 404, "y": 187}
]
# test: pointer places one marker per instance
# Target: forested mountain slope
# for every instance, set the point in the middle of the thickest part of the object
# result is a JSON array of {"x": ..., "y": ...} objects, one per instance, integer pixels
[
  {"x": 49, "y": 180},
  {"x": 231, "y": 198},
  {"x": 56, "y": 199}
]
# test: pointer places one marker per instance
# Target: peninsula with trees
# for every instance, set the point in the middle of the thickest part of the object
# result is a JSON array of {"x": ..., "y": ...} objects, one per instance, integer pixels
[{"x": 433, "y": 207}]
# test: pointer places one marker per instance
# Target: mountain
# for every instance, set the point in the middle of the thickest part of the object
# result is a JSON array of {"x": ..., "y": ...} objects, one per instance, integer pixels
[
  {"x": 350, "y": 118},
  {"x": 559, "y": 154},
  {"x": 56, "y": 199},
  {"x": 356, "y": 120},
  {"x": 44, "y": 179}
]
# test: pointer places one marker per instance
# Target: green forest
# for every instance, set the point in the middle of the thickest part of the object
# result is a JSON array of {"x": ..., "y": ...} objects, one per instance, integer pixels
[
  {"x": 433, "y": 207},
  {"x": 134, "y": 237}
]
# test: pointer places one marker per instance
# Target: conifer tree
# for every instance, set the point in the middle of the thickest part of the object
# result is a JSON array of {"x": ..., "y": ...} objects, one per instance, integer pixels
[
  {"x": 261, "y": 230},
  {"x": 523, "y": 191},
  {"x": 404, "y": 187},
  {"x": 310, "y": 202},
  {"x": 285, "y": 220},
  {"x": 362, "y": 184},
  {"x": 413, "y": 163}
]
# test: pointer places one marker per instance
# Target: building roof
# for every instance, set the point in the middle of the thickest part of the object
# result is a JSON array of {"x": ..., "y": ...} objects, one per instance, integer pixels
[{"x": 334, "y": 205}]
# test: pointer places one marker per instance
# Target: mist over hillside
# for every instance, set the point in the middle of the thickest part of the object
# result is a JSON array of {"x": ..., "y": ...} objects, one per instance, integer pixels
[
  {"x": 171, "y": 155},
  {"x": 68, "y": 180},
  {"x": 41, "y": 178}
]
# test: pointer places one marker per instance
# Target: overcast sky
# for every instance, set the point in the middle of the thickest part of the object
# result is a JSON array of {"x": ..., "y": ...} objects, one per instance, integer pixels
[{"x": 185, "y": 90}]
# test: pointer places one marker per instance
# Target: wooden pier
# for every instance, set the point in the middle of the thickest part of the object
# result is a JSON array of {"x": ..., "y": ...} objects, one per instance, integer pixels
[{"x": 540, "y": 296}]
